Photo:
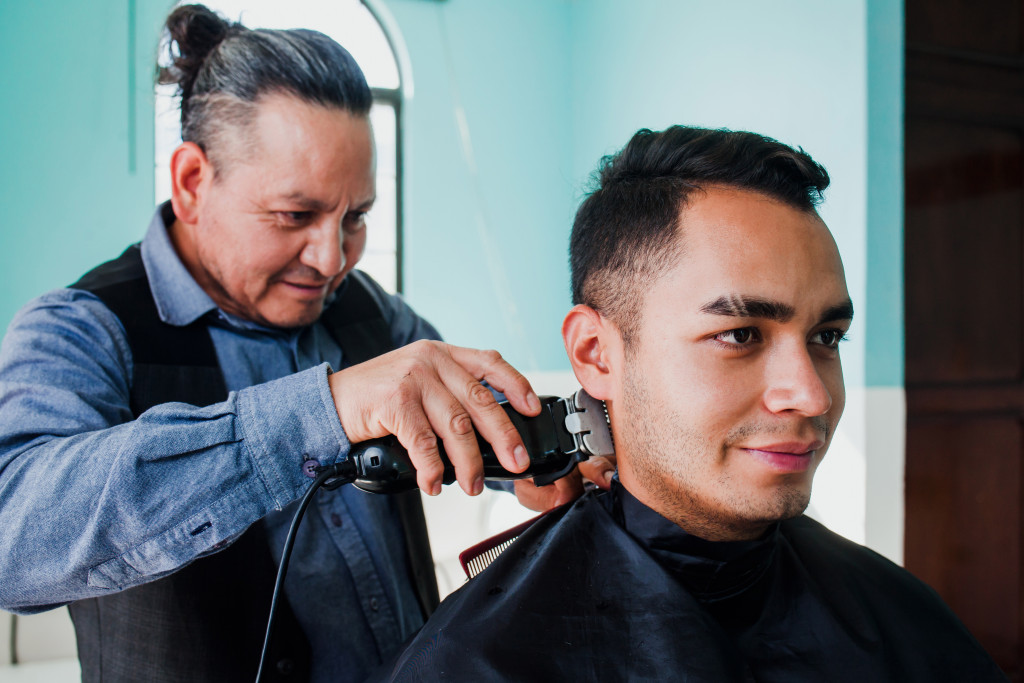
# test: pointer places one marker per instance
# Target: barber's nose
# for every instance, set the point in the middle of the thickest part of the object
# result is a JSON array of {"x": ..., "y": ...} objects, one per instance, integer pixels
[
  {"x": 794, "y": 384},
  {"x": 323, "y": 250}
]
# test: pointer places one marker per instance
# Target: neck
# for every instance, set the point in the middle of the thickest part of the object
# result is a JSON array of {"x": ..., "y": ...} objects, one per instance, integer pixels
[
  {"x": 680, "y": 508},
  {"x": 184, "y": 244}
]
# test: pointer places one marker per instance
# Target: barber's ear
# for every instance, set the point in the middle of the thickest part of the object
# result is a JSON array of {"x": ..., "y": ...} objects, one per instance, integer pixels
[
  {"x": 190, "y": 170},
  {"x": 594, "y": 346}
]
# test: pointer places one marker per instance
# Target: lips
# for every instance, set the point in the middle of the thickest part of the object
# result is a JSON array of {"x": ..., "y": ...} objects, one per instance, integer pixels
[
  {"x": 304, "y": 285},
  {"x": 790, "y": 456},
  {"x": 309, "y": 290}
]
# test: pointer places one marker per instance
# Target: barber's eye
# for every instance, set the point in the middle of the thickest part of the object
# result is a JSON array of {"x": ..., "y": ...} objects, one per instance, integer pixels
[
  {"x": 295, "y": 217},
  {"x": 354, "y": 222}
]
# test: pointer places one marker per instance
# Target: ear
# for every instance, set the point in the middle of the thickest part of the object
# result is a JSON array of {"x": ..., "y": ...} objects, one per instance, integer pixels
[
  {"x": 594, "y": 346},
  {"x": 190, "y": 172}
]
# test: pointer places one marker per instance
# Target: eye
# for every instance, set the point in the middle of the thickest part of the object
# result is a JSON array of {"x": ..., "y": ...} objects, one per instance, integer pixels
[
  {"x": 743, "y": 336},
  {"x": 353, "y": 222},
  {"x": 295, "y": 218},
  {"x": 829, "y": 338}
]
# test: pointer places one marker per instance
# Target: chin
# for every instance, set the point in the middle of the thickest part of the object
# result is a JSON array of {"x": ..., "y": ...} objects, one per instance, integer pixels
[
  {"x": 296, "y": 316},
  {"x": 786, "y": 504}
]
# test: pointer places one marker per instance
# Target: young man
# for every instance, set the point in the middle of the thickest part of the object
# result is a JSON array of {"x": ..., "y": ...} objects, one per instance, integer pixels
[{"x": 710, "y": 307}]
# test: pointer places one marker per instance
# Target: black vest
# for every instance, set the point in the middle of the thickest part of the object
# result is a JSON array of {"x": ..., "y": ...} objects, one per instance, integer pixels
[{"x": 206, "y": 622}]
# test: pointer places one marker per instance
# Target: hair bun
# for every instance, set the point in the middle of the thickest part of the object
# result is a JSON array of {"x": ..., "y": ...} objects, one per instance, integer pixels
[{"x": 196, "y": 30}]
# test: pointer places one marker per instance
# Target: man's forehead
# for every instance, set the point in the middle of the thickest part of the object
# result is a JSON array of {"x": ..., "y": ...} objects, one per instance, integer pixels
[
  {"x": 747, "y": 255},
  {"x": 740, "y": 228},
  {"x": 723, "y": 211}
]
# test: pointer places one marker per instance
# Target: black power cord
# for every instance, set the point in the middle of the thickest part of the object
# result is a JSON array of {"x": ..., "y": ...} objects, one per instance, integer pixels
[
  {"x": 14, "y": 639},
  {"x": 329, "y": 477}
]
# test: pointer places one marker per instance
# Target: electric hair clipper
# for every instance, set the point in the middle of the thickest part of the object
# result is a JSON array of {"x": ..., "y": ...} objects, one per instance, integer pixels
[{"x": 566, "y": 432}]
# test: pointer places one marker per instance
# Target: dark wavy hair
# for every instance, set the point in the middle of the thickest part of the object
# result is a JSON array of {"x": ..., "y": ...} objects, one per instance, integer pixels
[
  {"x": 626, "y": 230},
  {"x": 222, "y": 69}
]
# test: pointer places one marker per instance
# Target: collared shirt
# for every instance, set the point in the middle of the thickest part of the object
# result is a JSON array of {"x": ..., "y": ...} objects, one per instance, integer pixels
[
  {"x": 94, "y": 501},
  {"x": 711, "y": 570}
]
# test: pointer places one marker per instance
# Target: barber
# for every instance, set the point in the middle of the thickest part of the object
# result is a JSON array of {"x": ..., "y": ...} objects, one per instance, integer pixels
[{"x": 160, "y": 417}]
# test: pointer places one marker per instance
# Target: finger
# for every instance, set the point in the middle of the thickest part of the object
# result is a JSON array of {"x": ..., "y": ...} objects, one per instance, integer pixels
[
  {"x": 599, "y": 470},
  {"x": 488, "y": 416},
  {"x": 414, "y": 431},
  {"x": 495, "y": 370},
  {"x": 422, "y": 395},
  {"x": 534, "y": 497},
  {"x": 541, "y": 498},
  {"x": 452, "y": 423}
]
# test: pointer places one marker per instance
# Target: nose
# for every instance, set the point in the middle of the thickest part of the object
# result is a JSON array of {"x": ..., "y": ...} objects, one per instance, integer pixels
[
  {"x": 323, "y": 250},
  {"x": 795, "y": 384}
]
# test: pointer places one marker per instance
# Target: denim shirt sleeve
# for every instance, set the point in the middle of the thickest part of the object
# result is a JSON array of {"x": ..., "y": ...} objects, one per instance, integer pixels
[{"x": 92, "y": 501}]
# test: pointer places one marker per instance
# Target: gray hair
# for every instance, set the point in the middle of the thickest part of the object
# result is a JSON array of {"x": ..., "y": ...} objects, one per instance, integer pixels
[{"x": 222, "y": 69}]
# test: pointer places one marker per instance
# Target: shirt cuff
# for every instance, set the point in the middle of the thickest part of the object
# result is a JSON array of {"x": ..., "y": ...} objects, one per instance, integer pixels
[{"x": 286, "y": 422}]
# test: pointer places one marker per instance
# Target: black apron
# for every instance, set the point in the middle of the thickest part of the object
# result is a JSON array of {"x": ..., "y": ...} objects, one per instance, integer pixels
[{"x": 578, "y": 598}]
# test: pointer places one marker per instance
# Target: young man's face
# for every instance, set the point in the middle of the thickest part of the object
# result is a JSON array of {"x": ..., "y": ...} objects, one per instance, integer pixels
[
  {"x": 732, "y": 389},
  {"x": 282, "y": 223}
]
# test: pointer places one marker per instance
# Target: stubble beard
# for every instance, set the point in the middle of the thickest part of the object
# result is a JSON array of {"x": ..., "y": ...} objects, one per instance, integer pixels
[{"x": 673, "y": 464}]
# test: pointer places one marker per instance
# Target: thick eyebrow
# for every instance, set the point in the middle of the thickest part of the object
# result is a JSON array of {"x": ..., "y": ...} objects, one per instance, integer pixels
[
  {"x": 739, "y": 306},
  {"x": 843, "y": 311}
]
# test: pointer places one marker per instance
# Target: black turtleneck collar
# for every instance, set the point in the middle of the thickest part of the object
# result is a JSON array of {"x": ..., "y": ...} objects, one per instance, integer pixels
[{"x": 712, "y": 571}]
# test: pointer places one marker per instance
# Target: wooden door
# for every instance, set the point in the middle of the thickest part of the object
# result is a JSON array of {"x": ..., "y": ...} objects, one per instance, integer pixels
[{"x": 964, "y": 315}]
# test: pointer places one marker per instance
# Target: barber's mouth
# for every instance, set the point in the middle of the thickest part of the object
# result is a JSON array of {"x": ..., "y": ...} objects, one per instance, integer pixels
[
  {"x": 306, "y": 290},
  {"x": 786, "y": 457}
]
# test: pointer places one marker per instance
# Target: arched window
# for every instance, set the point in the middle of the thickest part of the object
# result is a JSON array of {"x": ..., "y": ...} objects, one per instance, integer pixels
[{"x": 355, "y": 27}]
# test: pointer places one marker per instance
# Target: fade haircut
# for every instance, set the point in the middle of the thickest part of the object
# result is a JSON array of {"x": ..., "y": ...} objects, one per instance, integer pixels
[{"x": 626, "y": 232}]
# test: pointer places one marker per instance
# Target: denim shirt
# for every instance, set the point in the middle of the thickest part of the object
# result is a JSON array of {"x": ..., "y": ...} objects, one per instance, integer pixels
[{"x": 93, "y": 501}]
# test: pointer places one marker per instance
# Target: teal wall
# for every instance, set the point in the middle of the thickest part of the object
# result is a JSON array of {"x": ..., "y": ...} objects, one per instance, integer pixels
[
  {"x": 489, "y": 204},
  {"x": 76, "y": 130},
  {"x": 884, "y": 333},
  {"x": 542, "y": 87}
]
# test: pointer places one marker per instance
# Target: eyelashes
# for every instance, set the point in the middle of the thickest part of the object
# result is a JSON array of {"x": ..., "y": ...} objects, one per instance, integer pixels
[{"x": 746, "y": 337}]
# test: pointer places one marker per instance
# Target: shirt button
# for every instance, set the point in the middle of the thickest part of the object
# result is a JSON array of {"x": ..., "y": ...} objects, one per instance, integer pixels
[
  {"x": 374, "y": 605},
  {"x": 309, "y": 468},
  {"x": 285, "y": 667},
  {"x": 335, "y": 519}
]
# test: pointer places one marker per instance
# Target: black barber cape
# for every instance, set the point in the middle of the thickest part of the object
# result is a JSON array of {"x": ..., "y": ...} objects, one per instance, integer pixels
[{"x": 606, "y": 589}]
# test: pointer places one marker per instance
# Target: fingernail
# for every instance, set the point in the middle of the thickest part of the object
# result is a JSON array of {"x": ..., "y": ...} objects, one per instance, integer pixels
[
  {"x": 533, "y": 401},
  {"x": 436, "y": 491},
  {"x": 522, "y": 459},
  {"x": 478, "y": 486}
]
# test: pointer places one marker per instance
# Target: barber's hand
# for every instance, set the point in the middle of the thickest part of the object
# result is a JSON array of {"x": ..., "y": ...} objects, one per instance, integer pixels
[
  {"x": 599, "y": 470},
  {"x": 568, "y": 488},
  {"x": 428, "y": 390}
]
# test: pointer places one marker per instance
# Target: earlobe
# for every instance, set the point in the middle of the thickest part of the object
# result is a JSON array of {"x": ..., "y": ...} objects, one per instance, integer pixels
[
  {"x": 189, "y": 169},
  {"x": 591, "y": 342}
]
